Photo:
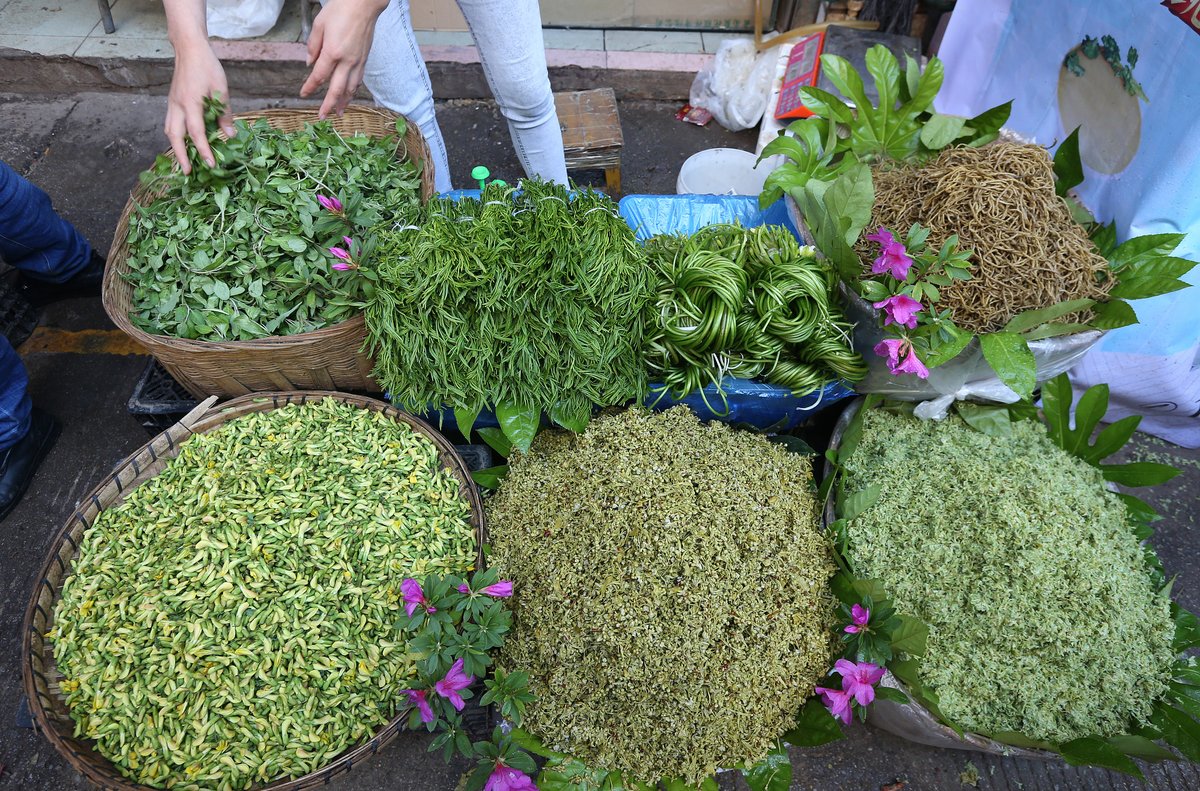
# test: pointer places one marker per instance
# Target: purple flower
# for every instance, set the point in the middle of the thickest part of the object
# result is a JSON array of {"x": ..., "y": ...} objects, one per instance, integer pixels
[
  {"x": 911, "y": 365},
  {"x": 501, "y": 590},
  {"x": 891, "y": 348},
  {"x": 505, "y": 778},
  {"x": 463, "y": 588},
  {"x": 893, "y": 256},
  {"x": 859, "y": 679},
  {"x": 332, "y": 205},
  {"x": 899, "y": 309},
  {"x": 340, "y": 253},
  {"x": 343, "y": 267},
  {"x": 454, "y": 681},
  {"x": 418, "y": 699},
  {"x": 837, "y": 701},
  {"x": 414, "y": 597},
  {"x": 859, "y": 616},
  {"x": 349, "y": 243}
]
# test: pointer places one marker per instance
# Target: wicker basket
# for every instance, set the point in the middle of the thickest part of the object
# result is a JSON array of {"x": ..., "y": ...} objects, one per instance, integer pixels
[
  {"x": 41, "y": 676},
  {"x": 330, "y": 358}
]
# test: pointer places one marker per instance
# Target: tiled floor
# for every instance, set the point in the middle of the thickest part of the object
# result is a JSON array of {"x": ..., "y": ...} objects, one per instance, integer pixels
[{"x": 72, "y": 27}]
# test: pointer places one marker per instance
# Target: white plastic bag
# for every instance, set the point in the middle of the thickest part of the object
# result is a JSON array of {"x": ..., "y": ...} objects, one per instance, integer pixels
[
  {"x": 242, "y": 18},
  {"x": 735, "y": 87}
]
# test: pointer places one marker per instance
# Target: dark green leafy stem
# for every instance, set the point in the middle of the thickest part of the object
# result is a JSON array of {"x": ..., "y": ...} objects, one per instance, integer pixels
[
  {"x": 238, "y": 251},
  {"x": 1174, "y": 729}
]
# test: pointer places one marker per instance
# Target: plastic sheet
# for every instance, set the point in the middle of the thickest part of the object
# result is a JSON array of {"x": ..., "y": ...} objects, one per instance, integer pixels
[{"x": 242, "y": 18}]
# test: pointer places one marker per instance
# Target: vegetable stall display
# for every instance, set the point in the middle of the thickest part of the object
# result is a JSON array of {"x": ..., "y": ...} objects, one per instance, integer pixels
[
  {"x": 662, "y": 568},
  {"x": 231, "y": 621},
  {"x": 1031, "y": 612}
]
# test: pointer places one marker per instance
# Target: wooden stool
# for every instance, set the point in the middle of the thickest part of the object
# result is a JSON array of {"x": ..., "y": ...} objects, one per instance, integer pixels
[{"x": 591, "y": 130}]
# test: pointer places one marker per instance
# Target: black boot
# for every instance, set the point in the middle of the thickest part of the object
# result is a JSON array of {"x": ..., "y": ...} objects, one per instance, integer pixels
[
  {"x": 85, "y": 283},
  {"x": 20, "y": 462}
]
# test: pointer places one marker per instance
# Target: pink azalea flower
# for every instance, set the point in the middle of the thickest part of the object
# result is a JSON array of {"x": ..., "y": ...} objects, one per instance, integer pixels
[
  {"x": 837, "y": 701},
  {"x": 501, "y": 590},
  {"x": 332, "y": 205},
  {"x": 418, "y": 699},
  {"x": 463, "y": 588},
  {"x": 349, "y": 242},
  {"x": 912, "y": 365},
  {"x": 859, "y": 679},
  {"x": 891, "y": 348},
  {"x": 859, "y": 616},
  {"x": 893, "y": 256},
  {"x": 505, "y": 778},
  {"x": 343, "y": 267},
  {"x": 454, "y": 681},
  {"x": 340, "y": 253},
  {"x": 414, "y": 597},
  {"x": 899, "y": 309}
]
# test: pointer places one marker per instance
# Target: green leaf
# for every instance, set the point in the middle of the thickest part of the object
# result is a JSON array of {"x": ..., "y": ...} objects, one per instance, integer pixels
[
  {"x": 946, "y": 351},
  {"x": 1090, "y": 751},
  {"x": 519, "y": 423},
  {"x": 527, "y": 741},
  {"x": 849, "y": 201},
  {"x": 882, "y": 65},
  {"x": 490, "y": 477},
  {"x": 814, "y": 726},
  {"x": 891, "y": 693},
  {"x": 1068, "y": 167},
  {"x": 773, "y": 773},
  {"x": 1029, "y": 319},
  {"x": 521, "y": 761},
  {"x": 1141, "y": 747},
  {"x": 1166, "y": 266},
  {"x": 1139, "y": 510},
  {"x": 927, "y": 89},
  {"x": 989, "y": 419},
  {"x": 1009, "y": 356},
  {"x": 1140, "y": 248},
  {"x": 1112, "y": 315},
  {"x": 826, "y": 105},
  {"x": 941, "y": 130},
  {"x": 1015, "y": 739},
  {"x": 845, "y": 78},
  {"x": 1104, "y": 237},
  {"x": 1138, "y": 473},
  {"x": 571, "y": 416},
  {"x": 496, "y": 440},
  {"x": 1089, "y": 412},
  {"x": 1143, "y": 287},
  {"x": 910, "y": 636},
  {"x": 855, "y": 504},
  {"x": 1053, "y": 330},
  {"x": 986, "y": 126},
  {"x": 465, "y": 418},
  {"x": 1187, "y": 629},
  {"x": 1178, "y": 729}
]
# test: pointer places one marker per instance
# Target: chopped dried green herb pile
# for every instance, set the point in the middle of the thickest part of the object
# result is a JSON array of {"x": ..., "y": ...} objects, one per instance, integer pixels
[
  {"x": 672, "y": 603},
  {"x": 528, "y": 298},
  {"x": 233, "y": 620},
  {"x": 1042, "y": 617}
]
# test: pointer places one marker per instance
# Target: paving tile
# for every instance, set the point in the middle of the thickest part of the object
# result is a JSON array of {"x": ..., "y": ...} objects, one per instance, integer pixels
[
  {"x": 558, "y": 38},
  {"x": 117, "y": 47},
  {"x": 444, "y": 38},
  {"x": 49, "y": 18},
  {"x": 652, "y": 41},
  {"x": 41, "y": 45},
  {"x": 712, "y": 40}
]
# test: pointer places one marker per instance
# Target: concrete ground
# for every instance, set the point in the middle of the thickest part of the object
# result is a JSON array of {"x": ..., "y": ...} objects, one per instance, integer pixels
[{"x": 86, "y": 151}]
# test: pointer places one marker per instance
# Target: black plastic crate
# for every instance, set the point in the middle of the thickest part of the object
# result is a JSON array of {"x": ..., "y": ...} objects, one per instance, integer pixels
[
  {"x": 18, "y": 318},
  {"x": 158, "y": 401}
]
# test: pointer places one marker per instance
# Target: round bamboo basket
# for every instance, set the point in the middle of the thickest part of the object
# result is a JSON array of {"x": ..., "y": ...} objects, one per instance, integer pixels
[
  {"x": 40, "y": 673},
  {"x": 330, "y": 358}
]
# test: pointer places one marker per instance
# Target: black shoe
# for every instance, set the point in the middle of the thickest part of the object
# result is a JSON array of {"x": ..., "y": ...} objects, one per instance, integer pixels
[
  {"x": 20, "y": 462},
  {"x": 85, "y": 283}
]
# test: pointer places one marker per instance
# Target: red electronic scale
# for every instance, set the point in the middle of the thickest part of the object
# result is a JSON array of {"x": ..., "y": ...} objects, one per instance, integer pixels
[{"x": 803, "y": 68}]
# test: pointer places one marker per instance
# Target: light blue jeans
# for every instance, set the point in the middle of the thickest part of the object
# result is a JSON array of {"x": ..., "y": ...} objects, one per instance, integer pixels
[{"x": 508, "y": 35}]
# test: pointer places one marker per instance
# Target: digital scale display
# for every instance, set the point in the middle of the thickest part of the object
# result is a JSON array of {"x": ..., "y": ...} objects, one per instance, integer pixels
[{"x": 803, "y": 68}]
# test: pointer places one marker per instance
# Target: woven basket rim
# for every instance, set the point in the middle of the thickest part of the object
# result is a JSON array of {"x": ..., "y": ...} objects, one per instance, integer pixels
[
  {"x": 207, "y": 417},
  {"x": 114, "y": 283}
]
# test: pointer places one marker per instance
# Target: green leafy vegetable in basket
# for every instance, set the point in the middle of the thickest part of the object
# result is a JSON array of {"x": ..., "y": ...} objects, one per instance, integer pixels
[
  {"x": 232, "y": 621},
  {"x": 238, "y": 251},
  {"x": 527, "y": 301},
  {"x": 747, "y": 302}
]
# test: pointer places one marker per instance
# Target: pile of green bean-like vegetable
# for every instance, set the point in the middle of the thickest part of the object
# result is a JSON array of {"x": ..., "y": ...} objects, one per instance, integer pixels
[
  {"x": 232, "y": 621},
  {"x": 528, "y": 300},
  {"x": 238, "y": 251},
  {"x": 748, "y": 302}
]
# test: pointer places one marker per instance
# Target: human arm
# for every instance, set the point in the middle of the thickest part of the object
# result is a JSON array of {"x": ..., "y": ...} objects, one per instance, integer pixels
[
  {"x": 337, "y": 50},
  {"x": 198, "y": 75}
]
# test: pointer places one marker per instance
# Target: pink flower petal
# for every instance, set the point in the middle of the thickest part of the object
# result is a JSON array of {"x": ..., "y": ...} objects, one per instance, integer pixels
[
  {"x": 339, "y": 253},
  {"x": 891, "y": 348},
  {"x": 349, "y": 242},
  {"x": 463, "y": 588},
  {"x": 860, "y": 615},
  {"x": 912, "y": 365},
  {"x": 852, "y": 629},
  {"x": 342, "y": 267},
  {"x": 899, "y": 309},
  {"x": 418, "y": 699},
  {"x": 500, "y": 590}
]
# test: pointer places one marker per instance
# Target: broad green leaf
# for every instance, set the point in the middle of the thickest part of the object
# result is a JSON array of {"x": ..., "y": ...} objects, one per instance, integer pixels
[
  {"x": 521, "y": 761},
  {"x": 1148, "y": 286},
  {"x": 912, "y": 78},
  {"x": 519, "y": 423},
  {"x": 826, "y": 105},
  {"x": 496, "y": 440},
  {"x": 1138, "y": 473},
  {"x": 1090, "y": 751},
  {"x": 814, "y": 726},
  {"x": 527, "y": 741},
  {"x": 1113, "y": 314},
  {"x": 846, "y": 79},
  {"x": 1166, "y": 266},
  {"x": 1068, "y": 167},
  {"x": 1187, "y": 629},
  {"x": 890, "y": 693},
  {"x": 464, "y": 418},
  {"x": 1138, "y": 509},
  {"x": 1089, "y": 411},
  {"x": 1015, "y": 739},
  {"x": 988, "y": 419},
  {"x": 490, "y": 477},
  {"x": 910, "y": 636},
  {"x": 1105, "y": 238},
  {"x": 948, "y": 350},
  {"x": 829, "y": 239},
  {"x": 1110, "y": 439},
  {"x": 855, "y": 504},
  {"x": 773, "y": 773},
  {"x": 1052, "y": 330},
  {"x": 1009, "y": 356},
  {"x": 800, "y": 153},
  {"x": 1153, "y": 245},
  {"x": 941, "y": 130},
  {"x": 927, "y": 88},
  {"x": 987, "y": 124},
  {"x": 1178, "y": 729},
  {"x": 573, "y": 417},
  {"x": 1029, "y": 319},
  {"x": 849, "y": 201},
  {"x": 1141, "y": 747},
  {"x": 882, "y": 65}
]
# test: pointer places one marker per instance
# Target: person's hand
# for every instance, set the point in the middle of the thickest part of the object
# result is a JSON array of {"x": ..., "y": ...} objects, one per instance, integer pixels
[
  {"x": 198, "y": 75},
  {"x": 337, "y": 50}
]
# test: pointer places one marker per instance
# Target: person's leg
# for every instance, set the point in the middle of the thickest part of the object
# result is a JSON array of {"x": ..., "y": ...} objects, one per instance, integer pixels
[
  {"x": 14, "y": 400},
  {"x": 396, "y": 76},
  {"x": 26, "y": 432},
  {"x": 508, "y": 34},
  {"x": 33, "y": 238}
]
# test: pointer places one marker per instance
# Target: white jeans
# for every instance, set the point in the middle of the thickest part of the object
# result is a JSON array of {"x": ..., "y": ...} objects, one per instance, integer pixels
[{"x": 508, "y": 35}]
